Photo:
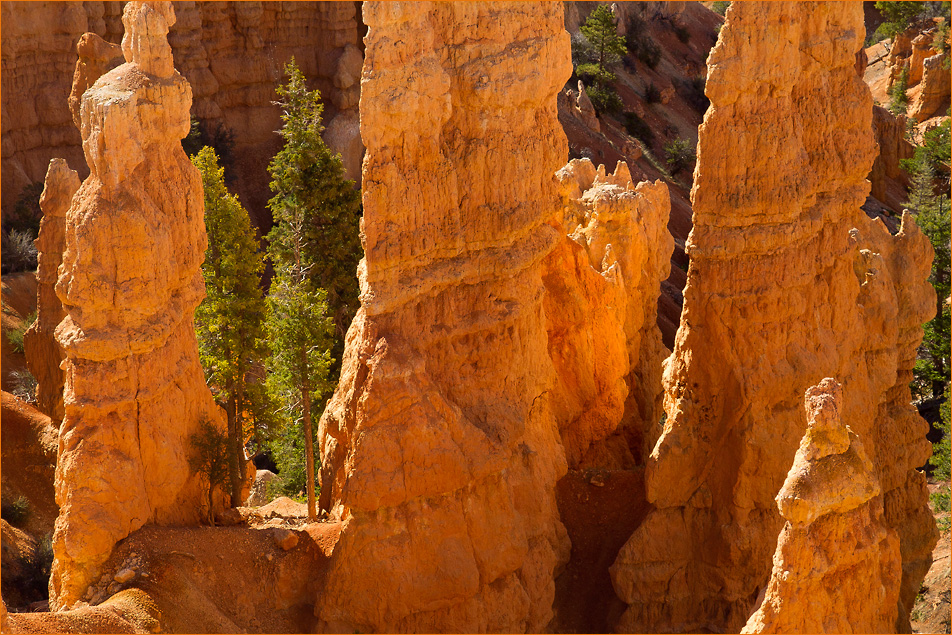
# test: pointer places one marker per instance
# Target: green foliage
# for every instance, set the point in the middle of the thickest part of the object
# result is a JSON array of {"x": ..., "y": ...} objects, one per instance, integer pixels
[
  {"x": 679, "y": 154},
  {"x": 941, "y": 452},
  {"x": 637, "y": 128},
  {"x": 940, "y": 42},
  {"x": 608, "y": 47},
  {"x": 229, "y": 323},
  {"x": 15, "y": 335},
  {"x": 720, "y": 7},
  {"x": 209, "y": 457},
  {"x": 935, "y": 150},
  {"x": 931, "y": 373},
  {"x": 940, "y": 500},
  {"x": 592, "y": 75},
  {"x": 16, "y": 511},
  {"x": 898, "y": 16},
  {"x": 311, "y": 196},
  {"x": 639, "y": 42},
  {"x": 898, "y": 100},
  {"x": 605, "y": 99}
]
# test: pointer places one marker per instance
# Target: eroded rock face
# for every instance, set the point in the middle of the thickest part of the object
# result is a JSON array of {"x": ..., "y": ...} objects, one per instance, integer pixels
[
  {"x": 439, "y": 449},
  {"x": 789, "y": 282},
  {"x": 232, "y": 53},
  {"x": 602, "y": 287},
  {"x": 96, "y": 58},
  {"x": 933, "y": 97},
  {"x": 837, "y": 566},
  {"x": 130, "y": 282},
  {"x": 43, "y": 353},
  {"x": 893, "y": 147}
]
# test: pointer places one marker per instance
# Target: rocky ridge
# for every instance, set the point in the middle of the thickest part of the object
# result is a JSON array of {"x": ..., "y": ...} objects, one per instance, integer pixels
[
  {"x": 129, "y": 283},
  {"x": 788, "y": 279}
]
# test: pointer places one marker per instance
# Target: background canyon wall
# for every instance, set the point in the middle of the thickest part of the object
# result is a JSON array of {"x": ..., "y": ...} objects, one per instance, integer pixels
[{"x": 232, "y": 54}]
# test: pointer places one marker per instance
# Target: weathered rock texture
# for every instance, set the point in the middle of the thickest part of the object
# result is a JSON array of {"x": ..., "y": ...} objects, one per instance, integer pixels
[
  {"x": 932, "y": 98},
  {"x": 130, "y": 282},
  {"x": 232, "y": 53},
  {"x": 781, "y": 292},
  {"x": 43, "y": 353},
  {"x": 837, "y": 566},
  {"x": 440, "y": 450},
  {"x": 602, "y": 286},
  {"x": 96, "y": 58},
  {"x": 887, "y": 177},
  {"x": 928, "y": 83}
]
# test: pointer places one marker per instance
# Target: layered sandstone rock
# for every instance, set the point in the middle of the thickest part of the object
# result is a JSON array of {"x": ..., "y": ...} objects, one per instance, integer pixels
[
  {"x": 439, "y": 449},
  {"x": 43, "y": 353},
  {"x": 232, "y": 53},
  {"x": 96, "y": 58},
  {"x": 602, "y": 286},
  {"x": 933, "y": 96},
  {"x": 887, "y": 173},
  {"x": 837, "y": 566},
  {"x": 788, "y": 282},
  {"x": 129, "y": 283}
]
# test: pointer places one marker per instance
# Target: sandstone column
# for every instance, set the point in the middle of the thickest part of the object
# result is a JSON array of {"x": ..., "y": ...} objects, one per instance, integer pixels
[
  {"x": 837, "y": 566},
  {"x": 789, "y": 282},
  {"x": 130, "y": 282},
  {"x": 43, "y": 353},
  {"x": 440, "y": 451}
]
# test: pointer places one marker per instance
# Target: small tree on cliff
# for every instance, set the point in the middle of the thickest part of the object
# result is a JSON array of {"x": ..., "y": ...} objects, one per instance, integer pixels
[
  {"x": 308, "y": 182},
  {"x": 607, "y": 46},
  {"x": 229, "y": 323}
]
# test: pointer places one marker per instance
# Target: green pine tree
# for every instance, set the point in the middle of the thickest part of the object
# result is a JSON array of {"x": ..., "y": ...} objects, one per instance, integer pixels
[
  {"x": 229, "y": 323},
  {"x": 308, "y": 181},
  {"x": 608, "y": 47},
  {"x": 315, "y": 248},
  {"x": 932, "y": 215}
]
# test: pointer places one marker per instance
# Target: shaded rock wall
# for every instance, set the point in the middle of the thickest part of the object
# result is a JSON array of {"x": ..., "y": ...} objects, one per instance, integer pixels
[
  {"x": 43, "y": 353},
  {"x": 129, "y": 283},
  {"x": 440, "y": 450},
  {"x": 232, "y": 53},
  {"x": 781, "y": 292},
  {"x": 837, "y": 565}
]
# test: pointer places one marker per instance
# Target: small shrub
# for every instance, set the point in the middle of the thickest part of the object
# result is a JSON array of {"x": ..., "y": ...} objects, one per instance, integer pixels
[
  {"x": 898, "y": 101},
  {"x": 652, "y": 94},
  {"x": 15, "y": 512},
  {"x": 582, "y": 52},
  {"x": 24, "y": 385},
  {"x": 605, "y": 99},
  {"x": 941, "y": 451},
  {"x": 19, "y": 252},
  {"x": 592, "y": 74},
  {"x": 636, "y": 127},
  {"x": 209, "y": 458},
  {"x": 649, "y": 54},
  {"x": 940, "y": 501},
  {"x": 16, "y": 335},
  {"x": 678, "y": 154},
  {"x": 720, "y": 7},
  {"x": 684, "y": 36},
  {"x": 943, "y": 524}
]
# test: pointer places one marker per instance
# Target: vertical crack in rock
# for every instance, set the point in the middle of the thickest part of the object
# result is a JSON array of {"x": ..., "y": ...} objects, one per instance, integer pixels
[
  {"x": 434, "y": 456},
  {"x": 788, "y": 283},
  {"x": 129, "y": 284},
  {"x": 837, "y": 565}
]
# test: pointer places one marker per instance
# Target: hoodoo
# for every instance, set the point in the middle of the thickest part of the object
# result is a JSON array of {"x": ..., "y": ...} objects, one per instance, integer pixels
[
  {"x": 837, "y": 565},
  {"x": 440, "y": 451},
  {"x": 789, "y": 282},
  {"x": 129, "y": 284}
]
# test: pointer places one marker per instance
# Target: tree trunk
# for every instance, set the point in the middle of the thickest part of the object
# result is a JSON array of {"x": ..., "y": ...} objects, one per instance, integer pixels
[
  {"x": 233, "y": 443},
  {"x": 308, "y": 451}
]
